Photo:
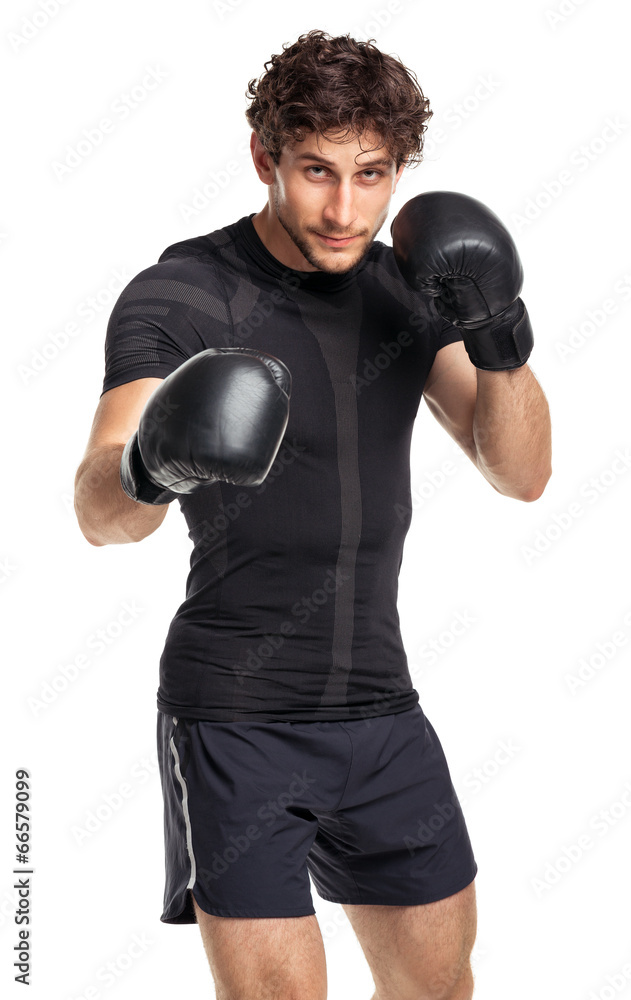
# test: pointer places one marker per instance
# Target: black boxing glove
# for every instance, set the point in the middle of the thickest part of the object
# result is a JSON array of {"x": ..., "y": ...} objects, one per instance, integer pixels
[
  {"x": 456, "y": 249},
  {"x": 220, "y": 416}
]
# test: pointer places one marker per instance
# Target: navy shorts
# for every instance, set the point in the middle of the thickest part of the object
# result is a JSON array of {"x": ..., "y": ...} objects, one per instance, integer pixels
[{"x": 252, "y": 809}]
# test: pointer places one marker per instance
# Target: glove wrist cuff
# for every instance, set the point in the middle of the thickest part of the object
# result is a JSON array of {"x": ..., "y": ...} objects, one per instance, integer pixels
[
  {"x": 503, "y": 343},
  {"x": 135, "y": 480}
]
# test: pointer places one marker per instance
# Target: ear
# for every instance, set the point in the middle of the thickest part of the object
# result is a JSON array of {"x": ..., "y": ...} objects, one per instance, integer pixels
[{"x": 263, "y": 163}]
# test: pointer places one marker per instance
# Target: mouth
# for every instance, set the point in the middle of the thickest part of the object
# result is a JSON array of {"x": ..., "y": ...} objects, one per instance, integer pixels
[{"x": 331, "y": 241}]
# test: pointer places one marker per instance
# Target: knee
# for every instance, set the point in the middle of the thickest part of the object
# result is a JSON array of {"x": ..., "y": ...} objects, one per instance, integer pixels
[
  {"x": 454, "y": 985},
  {"x": 275, "y": 984},
  {"x": 269, "y": 990}
]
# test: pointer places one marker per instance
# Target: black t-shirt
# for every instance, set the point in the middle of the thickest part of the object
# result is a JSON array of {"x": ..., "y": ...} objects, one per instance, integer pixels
[{"x": 291, "y": 599}]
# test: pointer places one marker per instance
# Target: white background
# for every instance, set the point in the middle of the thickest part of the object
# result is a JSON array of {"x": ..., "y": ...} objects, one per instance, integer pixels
[{"x": 516, "y": 92}]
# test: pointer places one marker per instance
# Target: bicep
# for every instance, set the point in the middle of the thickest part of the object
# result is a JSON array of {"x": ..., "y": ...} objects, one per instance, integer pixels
[
  {"x": 450, "y": 393},
  {"x": 118, "y": 412}
]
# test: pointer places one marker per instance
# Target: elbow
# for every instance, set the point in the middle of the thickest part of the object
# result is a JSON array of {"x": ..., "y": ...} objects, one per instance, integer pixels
[
  {"x": 87, "y": 534},
  {"x": 535, "y": 490},
  {"x": 527, "y": 492},
  {"x": 93, "y": 541},
  {"x": 518, "y": 489},
  {"x": 84, "y": 523},
  {"x": 105, "y": 534},
  {"x": 529, "y": 496}
]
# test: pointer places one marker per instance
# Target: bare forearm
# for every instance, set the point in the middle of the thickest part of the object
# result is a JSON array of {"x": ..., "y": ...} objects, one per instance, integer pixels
[
  {"x": 511, "y": 431},
  {"x": 105, "y": 513}
]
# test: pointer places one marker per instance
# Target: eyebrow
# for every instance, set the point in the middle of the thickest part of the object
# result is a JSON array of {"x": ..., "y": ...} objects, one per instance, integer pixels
[{"x": 329, "y": 163}]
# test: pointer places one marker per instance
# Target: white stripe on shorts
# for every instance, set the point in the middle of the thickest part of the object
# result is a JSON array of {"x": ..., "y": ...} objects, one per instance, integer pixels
[{"x": 189, "y": 839}]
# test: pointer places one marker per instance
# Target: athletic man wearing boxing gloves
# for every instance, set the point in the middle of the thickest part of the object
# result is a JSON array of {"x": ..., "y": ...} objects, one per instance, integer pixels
[{"x": 291, "y": 740}]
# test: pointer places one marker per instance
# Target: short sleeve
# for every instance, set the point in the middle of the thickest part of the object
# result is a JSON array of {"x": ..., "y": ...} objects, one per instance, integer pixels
[
  {"x": 165, "y": 315},
  {"x": 445, "y": 333}
]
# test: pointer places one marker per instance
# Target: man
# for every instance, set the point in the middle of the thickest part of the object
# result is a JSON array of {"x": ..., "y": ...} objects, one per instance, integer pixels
[{"x": 267, "y": 375}]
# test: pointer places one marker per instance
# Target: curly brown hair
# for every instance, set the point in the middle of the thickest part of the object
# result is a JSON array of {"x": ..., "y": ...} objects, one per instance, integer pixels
[{"x": 338, "y": 85}]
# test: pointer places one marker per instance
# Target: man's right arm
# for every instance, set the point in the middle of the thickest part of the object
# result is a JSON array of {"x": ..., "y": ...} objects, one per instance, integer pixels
[{"x": 105, "y": 513}]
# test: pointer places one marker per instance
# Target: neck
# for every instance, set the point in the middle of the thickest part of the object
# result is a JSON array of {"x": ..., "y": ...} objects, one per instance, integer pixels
[{"x": 277, "y": 241}]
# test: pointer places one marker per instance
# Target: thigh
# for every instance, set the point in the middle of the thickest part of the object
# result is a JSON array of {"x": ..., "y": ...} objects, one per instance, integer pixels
[
  {"x": 409, "y": 948},
  {"x": 283, "y": 956}
]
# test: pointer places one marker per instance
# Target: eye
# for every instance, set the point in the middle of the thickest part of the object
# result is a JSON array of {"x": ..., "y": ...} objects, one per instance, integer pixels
[
  {"x": 315, "y": 168},
  {"x": 375, "y": 173}
]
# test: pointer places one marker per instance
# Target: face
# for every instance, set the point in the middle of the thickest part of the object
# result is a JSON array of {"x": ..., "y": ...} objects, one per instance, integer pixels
[{"x": 328, "y": 200}]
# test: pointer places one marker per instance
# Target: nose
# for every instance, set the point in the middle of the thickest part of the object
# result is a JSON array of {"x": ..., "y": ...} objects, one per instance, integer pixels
[{"x": 340, "y": 211}]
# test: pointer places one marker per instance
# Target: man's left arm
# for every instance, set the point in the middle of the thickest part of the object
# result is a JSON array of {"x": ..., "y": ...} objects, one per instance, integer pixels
[{"x": 500, "y": 419}]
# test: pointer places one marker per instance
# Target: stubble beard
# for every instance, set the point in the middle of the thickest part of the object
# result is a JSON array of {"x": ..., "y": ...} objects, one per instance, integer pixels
[{"x": 322, "y": 262}]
